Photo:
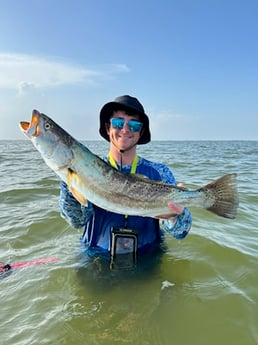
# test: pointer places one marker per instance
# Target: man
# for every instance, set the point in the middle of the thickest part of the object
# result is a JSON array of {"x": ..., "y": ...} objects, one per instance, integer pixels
[{"x": 125, "y": 125}]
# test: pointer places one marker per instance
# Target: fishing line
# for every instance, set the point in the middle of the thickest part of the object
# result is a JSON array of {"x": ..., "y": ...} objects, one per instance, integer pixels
[{"x": 8, "y": 267}]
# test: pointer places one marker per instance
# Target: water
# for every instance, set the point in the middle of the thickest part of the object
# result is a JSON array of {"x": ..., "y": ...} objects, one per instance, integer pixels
[{"x": 203, "y": 290}]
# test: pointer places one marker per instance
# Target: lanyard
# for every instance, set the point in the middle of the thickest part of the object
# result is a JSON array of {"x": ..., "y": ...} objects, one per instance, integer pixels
[
  {"x": 114, "y": 165},
  {"x": 133, "y": 170}
]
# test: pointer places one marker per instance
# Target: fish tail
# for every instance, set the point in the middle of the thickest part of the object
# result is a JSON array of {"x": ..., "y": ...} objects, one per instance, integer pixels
[{"x": 224, "y": 191}]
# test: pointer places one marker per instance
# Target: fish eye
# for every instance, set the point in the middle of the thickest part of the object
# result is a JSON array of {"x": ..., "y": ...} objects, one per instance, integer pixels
[{"x": 47, "y": 125}]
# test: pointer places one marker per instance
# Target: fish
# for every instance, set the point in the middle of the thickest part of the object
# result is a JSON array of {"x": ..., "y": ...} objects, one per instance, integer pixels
[{"x": 90, "y": 178}]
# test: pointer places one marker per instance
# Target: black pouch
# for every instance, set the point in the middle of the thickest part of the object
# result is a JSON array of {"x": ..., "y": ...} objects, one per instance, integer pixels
[{"x": 124, "y": 243}]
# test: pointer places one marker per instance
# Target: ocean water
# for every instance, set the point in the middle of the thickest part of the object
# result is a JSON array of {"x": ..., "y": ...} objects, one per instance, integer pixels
[{"x": 202, "y": 290}]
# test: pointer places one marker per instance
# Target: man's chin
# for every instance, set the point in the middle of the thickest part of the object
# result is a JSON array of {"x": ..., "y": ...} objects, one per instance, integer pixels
[{"x": 125, "y": 144}]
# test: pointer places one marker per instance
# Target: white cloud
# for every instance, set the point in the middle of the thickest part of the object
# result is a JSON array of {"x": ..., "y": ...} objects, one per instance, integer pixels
[
  {"x": 54, "y": 86},
  {"x": 168, "y": 125},
  {"x": 23, "y": 72}
]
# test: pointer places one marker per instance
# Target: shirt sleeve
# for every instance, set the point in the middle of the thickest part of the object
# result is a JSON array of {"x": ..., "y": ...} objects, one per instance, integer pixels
[
  {"x": 71, "y": 210},
  {"x": 180, "y": 226}
]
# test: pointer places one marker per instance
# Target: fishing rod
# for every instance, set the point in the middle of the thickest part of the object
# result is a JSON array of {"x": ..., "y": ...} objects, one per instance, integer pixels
[{"x": 7, "y": 267}]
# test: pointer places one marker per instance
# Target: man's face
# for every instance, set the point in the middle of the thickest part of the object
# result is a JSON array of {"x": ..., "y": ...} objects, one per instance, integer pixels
[{"x": 123, "y": 137}]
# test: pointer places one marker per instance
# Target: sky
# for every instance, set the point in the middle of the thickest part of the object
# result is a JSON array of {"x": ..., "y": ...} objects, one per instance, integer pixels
[{"x": 193, "y": 64}]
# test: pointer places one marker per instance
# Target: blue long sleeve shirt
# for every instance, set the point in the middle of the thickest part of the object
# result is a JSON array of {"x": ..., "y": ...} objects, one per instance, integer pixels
[{"x": 98, "y": 222}]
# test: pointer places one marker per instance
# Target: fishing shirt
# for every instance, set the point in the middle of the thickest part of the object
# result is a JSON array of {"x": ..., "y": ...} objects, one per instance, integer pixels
[{"x": 98, "y": 222}]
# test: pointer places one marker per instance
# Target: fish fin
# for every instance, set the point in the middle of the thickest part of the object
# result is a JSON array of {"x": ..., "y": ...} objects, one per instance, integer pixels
[
  {"x": 141, "y": 177},
  {"x": 146, "y": 178},
  {"x": 224, "y": 191},
  {"x": 72, "y": 175},
  {"x": 166, "y": 216},
  {"x": 78, "y": 196}
]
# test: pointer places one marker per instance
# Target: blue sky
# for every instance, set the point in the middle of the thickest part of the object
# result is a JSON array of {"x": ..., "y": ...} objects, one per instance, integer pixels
[{"x": 192, "y": 63}]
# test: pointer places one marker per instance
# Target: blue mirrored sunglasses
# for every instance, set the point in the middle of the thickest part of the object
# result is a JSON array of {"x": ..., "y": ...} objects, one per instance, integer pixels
[{"x": 119, "y": 123}]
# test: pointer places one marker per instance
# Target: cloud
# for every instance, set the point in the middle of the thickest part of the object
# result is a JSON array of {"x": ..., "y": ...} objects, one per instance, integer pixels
[
  {"x": 23, "y": 72},
  {"x": 168, "y": 125}
]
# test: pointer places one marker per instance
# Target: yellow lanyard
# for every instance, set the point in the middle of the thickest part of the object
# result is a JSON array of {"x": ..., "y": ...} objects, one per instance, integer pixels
[
  {"x": 133, "y": 168},
  {"x": 114, "y": 165}
]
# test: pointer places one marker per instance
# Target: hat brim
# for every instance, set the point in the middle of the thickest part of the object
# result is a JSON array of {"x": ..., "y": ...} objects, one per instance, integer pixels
[{"x": 107, "y": 111}]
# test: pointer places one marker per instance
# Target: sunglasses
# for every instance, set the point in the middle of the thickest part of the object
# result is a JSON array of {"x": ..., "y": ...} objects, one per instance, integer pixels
[{"x": 119, "y": 123}]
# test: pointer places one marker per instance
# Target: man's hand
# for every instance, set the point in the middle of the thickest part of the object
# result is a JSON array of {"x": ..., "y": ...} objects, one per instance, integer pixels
[{"x": 176, "y": 209}]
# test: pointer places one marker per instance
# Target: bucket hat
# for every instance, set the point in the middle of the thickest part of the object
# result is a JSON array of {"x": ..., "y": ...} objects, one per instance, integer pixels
[{"x": 126, "y": 103}]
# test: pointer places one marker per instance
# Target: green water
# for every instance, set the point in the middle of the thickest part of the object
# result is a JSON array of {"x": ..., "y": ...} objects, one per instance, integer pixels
[{"x": 202, "y": 290}]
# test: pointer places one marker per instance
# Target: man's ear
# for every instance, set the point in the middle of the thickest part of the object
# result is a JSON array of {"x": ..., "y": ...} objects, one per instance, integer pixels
[{"x": 107, "y": 125}]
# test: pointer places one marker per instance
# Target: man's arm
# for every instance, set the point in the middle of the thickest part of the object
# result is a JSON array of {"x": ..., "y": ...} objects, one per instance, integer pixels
[{"x": 180, "y": 225}]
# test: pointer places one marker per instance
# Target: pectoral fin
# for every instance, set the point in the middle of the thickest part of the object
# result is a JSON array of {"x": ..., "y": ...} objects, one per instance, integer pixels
[{"x": 72, "y": 179}]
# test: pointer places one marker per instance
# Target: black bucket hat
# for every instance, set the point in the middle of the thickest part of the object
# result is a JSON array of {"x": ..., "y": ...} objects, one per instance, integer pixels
[{"x": 130, "y": 104}]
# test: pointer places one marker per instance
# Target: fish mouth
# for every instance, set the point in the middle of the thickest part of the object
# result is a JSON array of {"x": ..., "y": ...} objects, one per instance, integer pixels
[{"x": 31, "y": 129}]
